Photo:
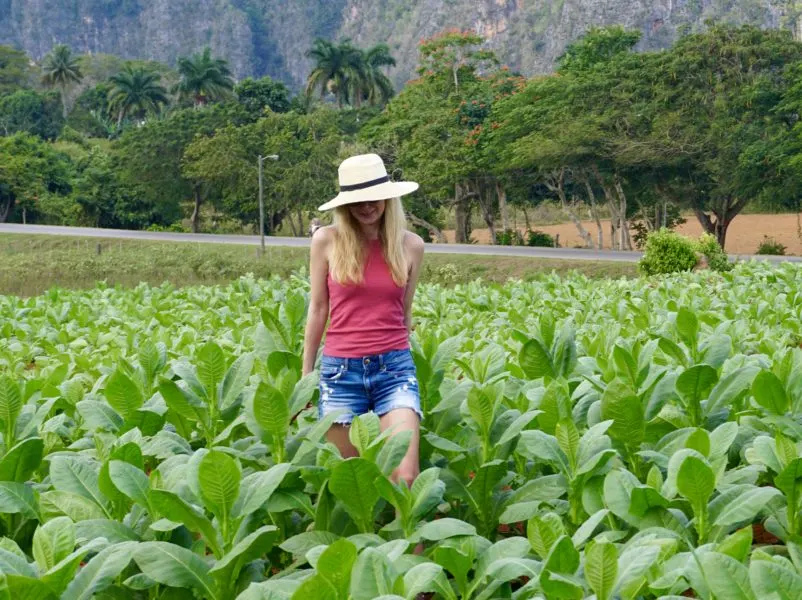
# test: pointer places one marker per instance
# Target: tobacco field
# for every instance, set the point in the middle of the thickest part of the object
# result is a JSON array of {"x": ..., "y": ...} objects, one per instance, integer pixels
[{"x": 606, "y": 439}]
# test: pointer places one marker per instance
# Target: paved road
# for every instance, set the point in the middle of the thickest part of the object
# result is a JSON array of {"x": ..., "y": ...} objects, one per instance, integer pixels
[{"x": 206, "y": 238}]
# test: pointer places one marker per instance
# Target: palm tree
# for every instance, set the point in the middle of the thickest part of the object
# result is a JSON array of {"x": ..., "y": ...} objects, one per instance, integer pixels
[
  {"x": 379, "y": 87},
  {"x": 60, "y": 70},
  {"x": 137, "y": 92},
  {"x": 339, "y": 69},
  {"x": 203, "y": 78}
]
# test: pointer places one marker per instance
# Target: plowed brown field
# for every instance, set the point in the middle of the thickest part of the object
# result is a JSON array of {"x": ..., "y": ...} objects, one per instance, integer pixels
[{"x": 743, "y": 237}]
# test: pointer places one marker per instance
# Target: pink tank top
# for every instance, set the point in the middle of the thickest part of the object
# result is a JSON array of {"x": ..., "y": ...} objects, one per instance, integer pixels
[{"x": 368, "y": 318}]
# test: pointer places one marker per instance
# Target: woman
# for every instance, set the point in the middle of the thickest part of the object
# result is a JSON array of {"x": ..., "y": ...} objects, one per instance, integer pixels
[{"x": 364, "y": 270}]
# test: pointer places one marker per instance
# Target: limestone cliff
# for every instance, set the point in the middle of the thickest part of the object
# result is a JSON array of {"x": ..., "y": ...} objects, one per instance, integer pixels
[{"x": 271, "y": 36}]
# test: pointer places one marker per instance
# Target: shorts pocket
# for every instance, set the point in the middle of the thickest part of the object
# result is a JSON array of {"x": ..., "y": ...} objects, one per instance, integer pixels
[{"x": 329, "y": 374}]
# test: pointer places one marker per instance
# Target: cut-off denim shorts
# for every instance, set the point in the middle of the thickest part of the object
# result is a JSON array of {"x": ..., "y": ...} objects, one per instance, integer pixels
[{"x": 378, "y": 383}]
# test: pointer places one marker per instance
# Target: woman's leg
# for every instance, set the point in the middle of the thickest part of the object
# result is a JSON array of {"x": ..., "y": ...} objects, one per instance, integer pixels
[
  {"x": 404, "y": 419},
  {"x": 338, "y": 435}
]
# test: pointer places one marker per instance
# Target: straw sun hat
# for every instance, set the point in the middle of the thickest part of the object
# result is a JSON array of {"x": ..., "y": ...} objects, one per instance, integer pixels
[{"x": 364, "y": 178}]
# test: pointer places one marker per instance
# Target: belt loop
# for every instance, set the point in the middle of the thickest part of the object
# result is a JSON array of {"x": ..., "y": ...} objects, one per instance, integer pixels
[
  {"x": 381, "y": 360},
  {"x": 345, "y": 364}
]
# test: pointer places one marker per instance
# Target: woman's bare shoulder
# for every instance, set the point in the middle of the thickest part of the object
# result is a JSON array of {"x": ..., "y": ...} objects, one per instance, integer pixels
[
  {"x": 413, "y": 242},
  {"x": 324, "y": 235}
]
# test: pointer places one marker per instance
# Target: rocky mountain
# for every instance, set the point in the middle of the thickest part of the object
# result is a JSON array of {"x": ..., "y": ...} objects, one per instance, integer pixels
[{"x": 271, "y": 36}]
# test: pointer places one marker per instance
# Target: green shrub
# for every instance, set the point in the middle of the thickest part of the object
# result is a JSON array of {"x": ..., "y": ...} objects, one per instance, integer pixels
[
  {"x": 771, "y": 247},
  {"x": 509, "y": 237},
  {"x": 708, "y": 246},
  {"x": 667, "y": 252},
  {"x": 539, "y": 239}
]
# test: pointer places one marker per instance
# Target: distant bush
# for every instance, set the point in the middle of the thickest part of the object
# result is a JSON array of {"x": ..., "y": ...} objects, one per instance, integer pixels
[
  {"x": 667, "y": 252},
  {"x": 771, "y": 247},
  {"x": 540, "y": 239},
  {"x": 509, "y": 237},
  {"x": 708, "y": 246},
  {"x": 176, "y": 227}
]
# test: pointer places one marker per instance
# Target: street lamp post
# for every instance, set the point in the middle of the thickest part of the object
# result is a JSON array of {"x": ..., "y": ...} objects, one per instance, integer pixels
[{"x": 261, "y": 198}]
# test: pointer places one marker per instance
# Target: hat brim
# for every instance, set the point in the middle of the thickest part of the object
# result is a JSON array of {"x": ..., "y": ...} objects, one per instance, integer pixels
[{"x": 383, "y": 191}]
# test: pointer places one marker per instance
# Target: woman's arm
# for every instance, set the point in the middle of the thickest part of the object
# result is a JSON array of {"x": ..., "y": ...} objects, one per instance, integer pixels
[
  {"x": 414, "y": 245},
  {"x": 318, "y": 313}
]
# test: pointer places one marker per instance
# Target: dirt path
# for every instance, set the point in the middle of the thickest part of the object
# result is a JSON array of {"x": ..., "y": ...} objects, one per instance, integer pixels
[{"x": 743, "y": 237}]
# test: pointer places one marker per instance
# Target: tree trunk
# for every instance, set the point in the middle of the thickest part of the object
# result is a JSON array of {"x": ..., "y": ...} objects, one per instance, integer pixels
[
  {"x": 594, "y": 212},
  {"x": 24, "y": 216},
  {"x": 725, "y": 212},
  {"x": 434, "y": 232},
  {"x": 300, "y": 222},
  {"x": 558, "y": 187},
  {"x": 488, "y": 208},
  {"x": 502, "y": 205},
  {"x": 461, "y": 216},
  {"x": 64, "y": 101},
  {"x": 195, "y": 219},
  {"x": 6, "y": 207},
  {"x": 626, "y": 238},
  {"x": 526, "y": 219}
]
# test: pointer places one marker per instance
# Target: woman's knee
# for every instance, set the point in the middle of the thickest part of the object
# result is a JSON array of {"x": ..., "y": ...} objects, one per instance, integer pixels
[{"x": 407, "y": 474}]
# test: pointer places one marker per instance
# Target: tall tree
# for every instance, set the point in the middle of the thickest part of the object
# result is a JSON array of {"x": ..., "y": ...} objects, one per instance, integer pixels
[
  {"x": 149, "y": 158},
  {"x": 256, "y": 95},
  {"x": 14, "y": 70},
  {"x": 339, "y": 70},
  {"x": 378, "y": 87},
  {"x": 136, "y": 92},
  {"x": 724, "y": 90},
  {"x": 60, "y": 69},
  {"x": 204, "y": 78}
]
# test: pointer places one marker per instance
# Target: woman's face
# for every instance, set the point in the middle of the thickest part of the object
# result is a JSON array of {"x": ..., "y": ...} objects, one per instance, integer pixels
[{"x": 367, "y": 213}]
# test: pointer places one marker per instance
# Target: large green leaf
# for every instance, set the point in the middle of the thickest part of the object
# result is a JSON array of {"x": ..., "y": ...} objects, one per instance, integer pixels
[
  {"x": 236, "y": 379},
  {"x": 601, "y": 568},
  {"x": 687, "y": 326},
  {"x": 246, "y": 550},
  {"x": 771, "y": 580},
  {"x": 130, "y": 481},
  {"x": 257, "y": 488},
  {"x": 730, "y": 387},
  {"x": 746, "y": 506},
  {"x": 18, "y": 498},
  {"x": 372, "y": 576},
  {"x": 543, "y": 532},
  {"x": 335, "y": 565},
  {"x": 694, "y": 384},
  {"x": 10, "y": 401},
  {"x": 621, "y": 406},
  {"x": 769, "y": 393},
  {"x": 172, "y": 507},
  {"x": 696, "y": 481},
  {"x": 726, "y": 577},
  {"x": 441, "y": 529},
  {"x": 211, "y": 363},
  {"x": 270, "y": 411},
  {"x": 20, "y": 587},
  {"x": 78, "y": 475},
  {"x": 175, "y": 566},
  {"x": 22, "y": 460},
  {"x": 52, "y": 542},
  {"x": 99, "y": 415},
  {"x": 535, "y": 360},
  {"x": 123, "y": 394},
  {"x": 100, "y": 571},
  {"x": 352, "y": 484},
  {"x": 219, "y": 478}
]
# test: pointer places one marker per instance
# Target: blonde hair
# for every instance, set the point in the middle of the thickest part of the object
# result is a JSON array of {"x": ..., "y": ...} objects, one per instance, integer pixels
[{"x": 348, "y": 255}]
